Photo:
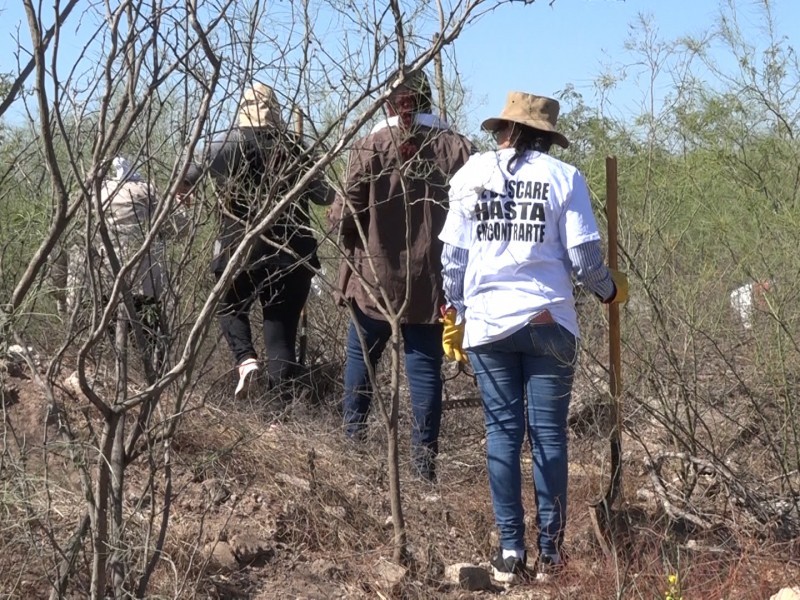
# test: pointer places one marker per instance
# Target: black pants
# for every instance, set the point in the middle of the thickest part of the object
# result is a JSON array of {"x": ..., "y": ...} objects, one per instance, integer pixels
[{"x": 282, "y": 293}]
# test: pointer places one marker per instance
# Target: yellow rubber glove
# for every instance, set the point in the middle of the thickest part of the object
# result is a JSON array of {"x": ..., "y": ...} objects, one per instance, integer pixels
[
  {"x": 621, "y": 284},
  {"x": 452, "y": 336}
]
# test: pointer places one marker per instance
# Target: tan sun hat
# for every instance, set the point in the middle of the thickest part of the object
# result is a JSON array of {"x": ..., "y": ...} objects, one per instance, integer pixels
[
  {"x": 538, "y": 112},
  {"x": 260, "y": 108}
]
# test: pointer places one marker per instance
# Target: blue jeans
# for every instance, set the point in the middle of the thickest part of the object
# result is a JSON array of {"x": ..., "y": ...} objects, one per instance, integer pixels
[
  {"x": 537, "y": 361},
  {"x": 422, "y": 345}
]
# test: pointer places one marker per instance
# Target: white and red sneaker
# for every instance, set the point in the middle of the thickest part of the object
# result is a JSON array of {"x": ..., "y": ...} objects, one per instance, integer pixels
[{"x": 248, "y": 372}]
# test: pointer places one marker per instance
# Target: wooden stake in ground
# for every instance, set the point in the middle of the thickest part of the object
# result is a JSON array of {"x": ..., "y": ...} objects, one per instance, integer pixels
[{"x": 601, "y": 513}]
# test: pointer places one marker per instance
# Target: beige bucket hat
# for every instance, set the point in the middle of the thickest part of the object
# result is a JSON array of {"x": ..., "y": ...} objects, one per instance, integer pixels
[
  {"x": 537, "y": 112},
  {"x": 260, "y": 108}
]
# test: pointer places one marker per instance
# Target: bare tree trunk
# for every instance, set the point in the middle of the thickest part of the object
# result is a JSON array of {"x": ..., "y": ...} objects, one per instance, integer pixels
[
  {"x": 117, "y": 563},
  {"x": 437, "y": 62},
  {"x": 117, "y": 566},
  {"x": 100, "y": 542},
  {"x": 400, "y": 536},
  {"x": 437, "y": 65}
]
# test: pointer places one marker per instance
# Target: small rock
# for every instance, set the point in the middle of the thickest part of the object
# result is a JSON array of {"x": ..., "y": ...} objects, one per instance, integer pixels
[
  {"x": 468, "y": 577},
  {"x": 221, "y": 558},
  {"x": 792, "y": 593},
  {"x": 389, "y": 522},
  {"x": 16, "y": 351},
  {"x": 248, "y": 547},
  {"x": 390, "y": 575},
  {"x": 73, "y": 384}
]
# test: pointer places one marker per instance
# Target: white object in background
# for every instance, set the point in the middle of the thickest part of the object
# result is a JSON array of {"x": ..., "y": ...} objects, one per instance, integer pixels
[
  {"x": 742, "y": 304},
  {"x": 745, "y": 299}
]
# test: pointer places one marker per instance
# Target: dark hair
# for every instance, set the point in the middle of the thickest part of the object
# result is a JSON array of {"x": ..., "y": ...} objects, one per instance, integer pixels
[
  {"x": 415, "y": 96},
  {"x": 528, "y": 139}
]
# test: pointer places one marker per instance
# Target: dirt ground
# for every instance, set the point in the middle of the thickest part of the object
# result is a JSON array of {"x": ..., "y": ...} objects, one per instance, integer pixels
[{"x": 276, "y": 504}]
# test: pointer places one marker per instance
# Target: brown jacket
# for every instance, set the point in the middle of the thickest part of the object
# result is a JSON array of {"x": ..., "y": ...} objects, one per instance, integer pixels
[{"x": 401, "y": 217}]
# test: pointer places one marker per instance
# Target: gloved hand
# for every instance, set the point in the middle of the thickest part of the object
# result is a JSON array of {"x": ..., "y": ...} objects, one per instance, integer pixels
[
  {"x": 621, "y": 285},
  {"x": 452, "y": 336}
]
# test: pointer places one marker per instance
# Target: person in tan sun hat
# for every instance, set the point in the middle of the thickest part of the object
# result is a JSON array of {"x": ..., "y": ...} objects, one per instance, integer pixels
[
  {"x": 260, "y": 108},
  {"x": 253, "y": 165},
  {"x": 519, "y": 225},
  {"x": 527, "y": 110}
]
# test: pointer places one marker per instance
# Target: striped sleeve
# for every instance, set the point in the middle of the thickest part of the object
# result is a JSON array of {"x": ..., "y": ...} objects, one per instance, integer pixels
[
  {"x": 590, "y": 270},
  {"x": 454, "y": 266}
]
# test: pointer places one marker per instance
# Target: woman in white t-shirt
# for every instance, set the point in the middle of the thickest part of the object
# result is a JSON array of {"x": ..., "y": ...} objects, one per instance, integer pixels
[{"x": 520, "y": 224}]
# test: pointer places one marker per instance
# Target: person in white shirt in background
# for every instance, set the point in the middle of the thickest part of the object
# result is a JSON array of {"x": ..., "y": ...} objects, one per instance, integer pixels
[
  {"x": 520, "y": 224},
  {"x": 128, "y": 203}
]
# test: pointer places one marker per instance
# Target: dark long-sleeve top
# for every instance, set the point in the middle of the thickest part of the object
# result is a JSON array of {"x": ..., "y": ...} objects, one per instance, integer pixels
[
  {"x": 400, "y": 205},
  {"x": 253, "y": 168}
]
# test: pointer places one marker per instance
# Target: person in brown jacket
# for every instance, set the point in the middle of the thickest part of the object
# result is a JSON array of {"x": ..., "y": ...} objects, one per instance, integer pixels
[{"x": 396, "y": 191}]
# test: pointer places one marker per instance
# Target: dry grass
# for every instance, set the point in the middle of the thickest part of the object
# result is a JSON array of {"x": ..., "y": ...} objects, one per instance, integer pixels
[{"x": 290, "y": 479}]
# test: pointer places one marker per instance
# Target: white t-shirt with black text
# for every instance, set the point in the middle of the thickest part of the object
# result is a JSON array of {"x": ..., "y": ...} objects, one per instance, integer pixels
[{"x": 517, "y": 229}]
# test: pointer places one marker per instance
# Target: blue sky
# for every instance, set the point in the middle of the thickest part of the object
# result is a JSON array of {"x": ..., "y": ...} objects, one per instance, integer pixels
[{"x": 542, "y": 49}]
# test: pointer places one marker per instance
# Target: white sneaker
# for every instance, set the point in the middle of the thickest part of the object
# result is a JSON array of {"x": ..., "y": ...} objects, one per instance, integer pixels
[{"x": 248, "y": 371}]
